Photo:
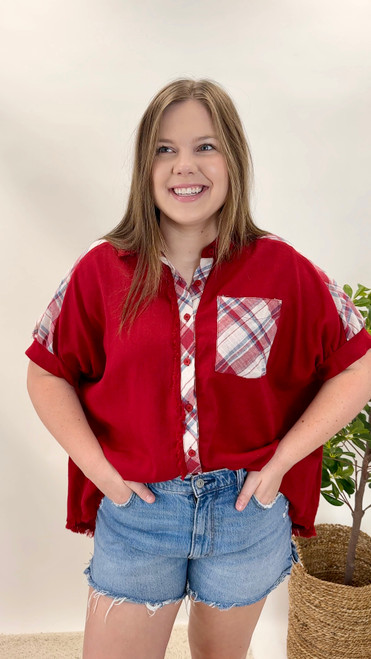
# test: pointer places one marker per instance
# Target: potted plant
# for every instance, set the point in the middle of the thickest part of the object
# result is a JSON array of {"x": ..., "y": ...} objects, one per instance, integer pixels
[{"x": 330, "y": 589}]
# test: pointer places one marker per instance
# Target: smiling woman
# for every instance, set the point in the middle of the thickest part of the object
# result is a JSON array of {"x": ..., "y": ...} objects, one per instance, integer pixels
[
  {"x": 177, "y": 367},
  {"x": 223, "y": 134},
  {"x": 190, "y": 182}
]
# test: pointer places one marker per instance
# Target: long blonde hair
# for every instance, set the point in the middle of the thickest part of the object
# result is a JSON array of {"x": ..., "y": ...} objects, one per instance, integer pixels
[{"x": 139, "y": 229}]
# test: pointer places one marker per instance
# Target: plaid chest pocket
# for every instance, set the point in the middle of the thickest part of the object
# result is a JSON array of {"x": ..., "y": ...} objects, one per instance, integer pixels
[{"x": 246, "y": 327}]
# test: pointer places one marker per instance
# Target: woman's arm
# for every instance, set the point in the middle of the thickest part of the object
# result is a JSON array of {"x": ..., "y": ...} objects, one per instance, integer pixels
[
  {"x": 338, "y": 401},
  {"x": 59, "y": 408}
]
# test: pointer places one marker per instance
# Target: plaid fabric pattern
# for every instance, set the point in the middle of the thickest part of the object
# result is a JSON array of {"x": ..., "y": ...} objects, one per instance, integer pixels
[
  {"x": 188, "y": 301},
  {"x": 246, "y": 330},
  {"x": 351, "y": 318},
  {"x": 45, "y": 326}
]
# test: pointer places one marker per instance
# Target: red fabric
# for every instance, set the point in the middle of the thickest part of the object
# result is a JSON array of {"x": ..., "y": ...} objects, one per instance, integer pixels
[{"x": 129, "y": 384}]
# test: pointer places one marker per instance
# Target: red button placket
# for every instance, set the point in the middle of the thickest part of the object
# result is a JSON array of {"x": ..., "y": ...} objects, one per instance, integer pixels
[{"x": 190, "y": 437}]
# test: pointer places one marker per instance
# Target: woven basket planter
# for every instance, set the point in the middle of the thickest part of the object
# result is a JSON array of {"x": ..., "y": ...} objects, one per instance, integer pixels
[{"x": 328, "y": 620}]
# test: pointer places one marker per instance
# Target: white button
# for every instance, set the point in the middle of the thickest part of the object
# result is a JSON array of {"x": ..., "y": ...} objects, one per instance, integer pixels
[{"x": 200, "y": 482}]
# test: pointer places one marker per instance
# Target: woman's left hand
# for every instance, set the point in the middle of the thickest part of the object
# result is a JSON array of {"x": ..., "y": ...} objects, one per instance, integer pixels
[{"x": 264, "y": 484}]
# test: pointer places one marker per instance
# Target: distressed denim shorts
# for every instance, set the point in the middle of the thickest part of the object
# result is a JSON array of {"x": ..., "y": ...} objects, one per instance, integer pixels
[{"x": 191, "y": 542}]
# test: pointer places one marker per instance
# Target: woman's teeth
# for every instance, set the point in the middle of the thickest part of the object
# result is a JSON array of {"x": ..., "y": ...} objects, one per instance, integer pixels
[{"x": 188, "y": 191}]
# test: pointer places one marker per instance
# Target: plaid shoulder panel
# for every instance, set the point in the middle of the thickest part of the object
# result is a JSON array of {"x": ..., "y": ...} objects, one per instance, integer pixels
[
  {"x": 273, "y": 236},
  {"x": 246, "y": 328},
  {"x": 45, "y": 326},
  {"x": 351, "y": 318}
]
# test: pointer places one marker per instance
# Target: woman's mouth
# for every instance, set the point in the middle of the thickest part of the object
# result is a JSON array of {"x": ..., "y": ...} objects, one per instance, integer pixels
[{"x": 188, "y": 193}]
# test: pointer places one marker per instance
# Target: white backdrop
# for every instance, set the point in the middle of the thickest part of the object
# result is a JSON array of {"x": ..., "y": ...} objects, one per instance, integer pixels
[{"x": 76, "y": 77}]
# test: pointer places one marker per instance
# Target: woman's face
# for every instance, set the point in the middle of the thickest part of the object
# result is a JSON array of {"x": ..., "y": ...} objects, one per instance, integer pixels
[{"x": 189, "y": 175}]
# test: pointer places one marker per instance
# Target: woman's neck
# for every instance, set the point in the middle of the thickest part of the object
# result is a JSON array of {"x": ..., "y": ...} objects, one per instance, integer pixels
[{"x": 184, "y": 245}]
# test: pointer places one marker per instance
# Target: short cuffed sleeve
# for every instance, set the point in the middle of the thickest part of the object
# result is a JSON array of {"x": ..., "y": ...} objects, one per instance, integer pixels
[
  {"x": 346, "y": 355},
  {"x": 68, "y": 338},
  {"x": 343, "y": 335}
]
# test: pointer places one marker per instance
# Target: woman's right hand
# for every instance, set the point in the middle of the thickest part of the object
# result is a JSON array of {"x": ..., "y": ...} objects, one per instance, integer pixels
[
  {"x": 120, "y": 493},
  {"x": 108, "y": 480},
  {"x": 59, "y": 408}
]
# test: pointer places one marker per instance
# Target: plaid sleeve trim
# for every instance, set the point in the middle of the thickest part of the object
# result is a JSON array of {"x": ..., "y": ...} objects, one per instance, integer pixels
[
  {"x": 246, "y": 328},
  {"x": 351, "y": 318},
  {"x": 45, "y": 326}
]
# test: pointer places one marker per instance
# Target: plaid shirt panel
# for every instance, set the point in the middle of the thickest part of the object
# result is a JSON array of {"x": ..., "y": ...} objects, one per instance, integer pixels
[
  {"x": 246, "y": 330},
  {"x": 45, "y": 326},
  {"x": 188, "y": 301},
  {"x": 351, "y": 318}
]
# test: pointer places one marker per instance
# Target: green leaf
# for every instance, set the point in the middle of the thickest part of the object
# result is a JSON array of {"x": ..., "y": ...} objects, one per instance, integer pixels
[
  {"x": 332, "y": 465},
  {"x": 344, "y": 463},
  {"x": 335, "y": 490},
  {"x": 347, "y": 289},
  {"x": 348, "y": 485},
  {"x": 332, "y": 500},
  {"x": 361, "y": 289},
  {"x": 326, "y": 481},
  {"x": 362, "y": 304},
  {"x": 359, "y": 444},
  {"x": 348, "y": 471},
  {"x": 356, "y": 426},
  {"x": 338, "y": 466}
]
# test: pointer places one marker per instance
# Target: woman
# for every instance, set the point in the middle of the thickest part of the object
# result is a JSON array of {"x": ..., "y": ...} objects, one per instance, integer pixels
[{"x": 192, "y": 366}]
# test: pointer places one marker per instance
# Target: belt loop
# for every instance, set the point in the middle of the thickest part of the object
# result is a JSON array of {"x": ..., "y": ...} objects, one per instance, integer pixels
[{"x": 239, "y": 479}]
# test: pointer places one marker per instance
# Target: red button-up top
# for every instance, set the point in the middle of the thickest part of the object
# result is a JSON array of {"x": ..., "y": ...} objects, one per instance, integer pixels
[{"x": 270, "y": 328}]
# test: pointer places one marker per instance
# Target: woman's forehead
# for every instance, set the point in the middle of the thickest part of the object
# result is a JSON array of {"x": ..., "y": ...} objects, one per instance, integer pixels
[{"x": 190, "y": 115}]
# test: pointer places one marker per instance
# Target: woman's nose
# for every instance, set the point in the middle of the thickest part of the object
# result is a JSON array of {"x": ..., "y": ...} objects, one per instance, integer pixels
[{"x": 184, "y": 164}]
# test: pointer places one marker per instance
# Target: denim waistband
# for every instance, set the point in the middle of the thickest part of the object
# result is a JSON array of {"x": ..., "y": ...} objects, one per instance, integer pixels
[{"x": 208, "y": 481}]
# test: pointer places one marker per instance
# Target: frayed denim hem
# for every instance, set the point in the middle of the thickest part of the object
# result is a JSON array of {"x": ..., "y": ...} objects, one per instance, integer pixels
[
  {"x": 194, "y": 597},
  {"x": 97, "y": 593}
]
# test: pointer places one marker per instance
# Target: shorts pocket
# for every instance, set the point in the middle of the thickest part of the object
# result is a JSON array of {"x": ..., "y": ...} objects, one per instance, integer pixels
[
  {"x": 266, "y": 506},
  {"x": 126, "y": 503},
  {"x": 246, "y": 328}
]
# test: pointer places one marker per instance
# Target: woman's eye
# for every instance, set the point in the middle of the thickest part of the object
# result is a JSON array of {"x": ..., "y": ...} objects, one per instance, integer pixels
[
  {"x": 163, "y": 149},
  {"x": 206, "y": 147}
]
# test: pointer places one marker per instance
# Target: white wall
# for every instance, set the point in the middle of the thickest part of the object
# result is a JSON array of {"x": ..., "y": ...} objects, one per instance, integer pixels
[{"x": 76, "y": 77}]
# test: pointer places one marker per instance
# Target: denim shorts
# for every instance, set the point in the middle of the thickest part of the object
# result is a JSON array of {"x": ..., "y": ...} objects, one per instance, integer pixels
[{"x": 191, "y": 542}]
